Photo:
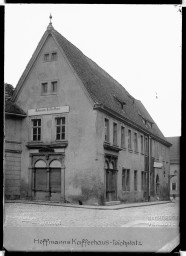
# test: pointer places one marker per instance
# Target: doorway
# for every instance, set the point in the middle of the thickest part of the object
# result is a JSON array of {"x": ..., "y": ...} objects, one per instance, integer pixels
[{"x": 111, "y": 181}]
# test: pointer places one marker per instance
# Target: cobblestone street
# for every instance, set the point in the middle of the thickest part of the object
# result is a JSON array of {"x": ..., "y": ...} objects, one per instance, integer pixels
[{"x": 30, "y": 215}]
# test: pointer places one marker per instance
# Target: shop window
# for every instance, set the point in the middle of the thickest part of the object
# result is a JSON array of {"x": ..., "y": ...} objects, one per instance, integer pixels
[
  {"x": 40, "y": 176},
  {"x": 55, "y": 176}
]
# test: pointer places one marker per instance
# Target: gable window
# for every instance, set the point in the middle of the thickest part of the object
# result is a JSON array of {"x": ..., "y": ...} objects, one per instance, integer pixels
[
  {"x": 36, "y": 129},
  {"x": 44, "y": 88},
  {"x": 46, "y": 57},
  {"x": 114, "y": 134},
  {"x": 126, "y": 180},
  {"x": 54, "y": 56},
  {"x": 60, "y": 128},
  {"x": 54, "y": 86},
  {"x": 129, "y": 139},
  {"x": 106, "y": 130},
  {"x": 135, "y": 180},
  {"x": 122, "y": 136},
  {"x": 135, "y": 142},
  {"x": 142, "y": 146}
]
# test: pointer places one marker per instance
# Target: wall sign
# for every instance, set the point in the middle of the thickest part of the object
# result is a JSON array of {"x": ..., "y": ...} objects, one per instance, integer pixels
[
  {"x": 158, "y": 165},
  {"x": 47, "y": 111}
]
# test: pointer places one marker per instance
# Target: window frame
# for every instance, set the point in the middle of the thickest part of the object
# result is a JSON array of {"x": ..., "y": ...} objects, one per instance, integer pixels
[
  {"x": 123, "y": 139},
  {"x": 125, "y": 180},
  {"x": 130, "y": 140},
  {"x": 53, "y": 52},
  {"x": 107, "y": 130},
  {"x": 51, "y": 86},
  {"x": 174, "y": 183},
  {"x": 44, "y": 55},
  {"x": 115, "y": 134},
  {"x": 42, "y": 91},
  {"x": 65, "y": 125},
  {"x": 142, "y": 143},
  {"x": 32, "y": 118},
  {"x": 135, "y": 142},
  {"x": 135, "y": 180}
]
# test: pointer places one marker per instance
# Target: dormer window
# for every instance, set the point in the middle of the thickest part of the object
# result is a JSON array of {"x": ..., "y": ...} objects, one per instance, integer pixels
[
  {"x": 121, "y": 102},
  {"x": 46, "y": 57},
  {"x": 54, "y": 56}
]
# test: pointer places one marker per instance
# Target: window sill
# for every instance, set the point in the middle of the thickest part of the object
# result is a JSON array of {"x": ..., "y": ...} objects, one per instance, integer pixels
[
  {"x": 130, "y": 150},
  {"x": 136, "y": 152},
  {"x": 42, "y": 145}
]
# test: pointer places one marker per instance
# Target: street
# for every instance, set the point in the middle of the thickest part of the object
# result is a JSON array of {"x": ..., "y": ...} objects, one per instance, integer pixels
[{"x": 34, "y": 215}]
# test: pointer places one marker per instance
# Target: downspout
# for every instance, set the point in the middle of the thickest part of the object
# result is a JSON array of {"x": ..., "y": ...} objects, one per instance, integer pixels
[{"x": 149, "y": 163}]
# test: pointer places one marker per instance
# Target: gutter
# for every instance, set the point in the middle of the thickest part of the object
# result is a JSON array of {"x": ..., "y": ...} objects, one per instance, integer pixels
[
  {"x": 134, "y": 125},
  {"x": 14, "y": 114}
]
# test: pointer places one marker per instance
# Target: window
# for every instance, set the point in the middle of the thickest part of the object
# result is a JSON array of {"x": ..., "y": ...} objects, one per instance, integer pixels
[
  {"x": 114, "y": 134},
  {"x": 36, "y": 129},
  {"x": 46, "y": 57},
  {"x": 44, "y": 88},
  {"x": 60, "y": 128},
  {"x": 135, "y": 142},
  {"x": 135, "y": 180},
  {"x": 142, "y": 149},
  {"x": 54, "y": 86},
  {"x": 122, "y": 136},
  {"x": 54, "y": 56},
  {"x": 174, "y": 186},
  {"x": 126, "y": 180},
  {"x": 146, "y": 146},
  {"x": 106, "y": 130},
  {"x": 129, "y": 140},
  {"x": 143, "y": 180}
]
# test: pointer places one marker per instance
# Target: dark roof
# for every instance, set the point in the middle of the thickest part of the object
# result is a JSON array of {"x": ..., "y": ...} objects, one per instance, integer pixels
[
  {"x": 13, "y": 108},
  {"x": 101, "y": 87},
  {"x": 104, "y": 89},
  {"x": 174, "y": 149}
]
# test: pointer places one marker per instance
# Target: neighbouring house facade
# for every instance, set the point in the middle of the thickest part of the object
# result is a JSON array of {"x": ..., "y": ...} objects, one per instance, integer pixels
[
  {"x": 74, "y": 133},
  {"x": 174, "y": 166}
]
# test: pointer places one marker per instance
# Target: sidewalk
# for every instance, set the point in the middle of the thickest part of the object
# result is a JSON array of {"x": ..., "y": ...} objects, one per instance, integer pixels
[{"x": 98, "y": 207}]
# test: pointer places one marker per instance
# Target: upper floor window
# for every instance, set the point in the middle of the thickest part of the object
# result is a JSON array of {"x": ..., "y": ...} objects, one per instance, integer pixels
[
  {"x": 54, "y": 56},
  {"x": 114, "y": 134},
  {"x": 106, "y": 130},
  {"x": 129, "y": 139},
  {"x": 54, "y": 86},
  {"x": 36, "y": 129},
  {"x": 142, "y": 146},
  {"x": 44, "y": 88},
  {"x": 122, "y": 136},
  {"x": 174, "y": 186},
  {"x": 146, "y": 146},
  {"x": 46, "y": 57},
  {"x": 60, "y": 128},
  {"x": 135, "y": 142}
]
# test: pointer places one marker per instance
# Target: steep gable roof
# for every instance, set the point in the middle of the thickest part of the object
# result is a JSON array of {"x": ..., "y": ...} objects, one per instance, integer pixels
[{"x": 101, "y": 87}]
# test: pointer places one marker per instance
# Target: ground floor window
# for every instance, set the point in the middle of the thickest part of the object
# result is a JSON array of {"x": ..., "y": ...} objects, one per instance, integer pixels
[
  {"x": 126, "y": 180},
  {"x": 135, "y": 180},
  {"x": 174, "y": 186},
  {"x": 143, "y": 180}
]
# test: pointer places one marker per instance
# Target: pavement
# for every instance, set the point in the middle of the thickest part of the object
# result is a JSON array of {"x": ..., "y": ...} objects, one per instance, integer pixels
[{"x": 98, "y": 207}]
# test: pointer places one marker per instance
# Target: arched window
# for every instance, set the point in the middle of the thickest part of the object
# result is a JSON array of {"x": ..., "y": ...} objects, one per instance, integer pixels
[
  {"x": 106, "y": 164},
  {"x": 55, "y": 164},
  {"x": 40, "y": 164},
  {"x": 112, "y": 165}
]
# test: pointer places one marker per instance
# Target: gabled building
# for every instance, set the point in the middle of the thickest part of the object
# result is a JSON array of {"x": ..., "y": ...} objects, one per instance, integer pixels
[
  {"x": 174, "y": 165},
  {"x": 81, "y": 135}
]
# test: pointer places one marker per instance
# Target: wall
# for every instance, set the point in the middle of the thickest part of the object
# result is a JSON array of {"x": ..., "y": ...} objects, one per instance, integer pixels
[{"x": 81, "y": 173}]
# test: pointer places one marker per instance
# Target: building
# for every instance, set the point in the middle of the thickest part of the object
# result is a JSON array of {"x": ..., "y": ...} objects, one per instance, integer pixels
[
  {"x": 174, "y": 166},
  {"x": 73, "y": 133}
]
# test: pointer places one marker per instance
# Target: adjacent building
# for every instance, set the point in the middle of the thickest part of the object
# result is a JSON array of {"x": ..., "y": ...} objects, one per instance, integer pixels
[
  {"x": 73, "y": 133},
  {"x": 174, "y": 166}
]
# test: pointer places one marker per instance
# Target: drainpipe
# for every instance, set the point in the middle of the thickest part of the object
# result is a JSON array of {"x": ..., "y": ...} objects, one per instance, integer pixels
[{"x": 149, "y": 153}]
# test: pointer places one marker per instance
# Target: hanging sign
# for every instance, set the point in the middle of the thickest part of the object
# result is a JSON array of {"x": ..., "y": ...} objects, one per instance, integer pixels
[{"x": 48, "y": 110}]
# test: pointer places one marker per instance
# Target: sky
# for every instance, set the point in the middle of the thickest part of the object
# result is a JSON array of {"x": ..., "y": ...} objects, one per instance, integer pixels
[{"x": 138, "y": 45}]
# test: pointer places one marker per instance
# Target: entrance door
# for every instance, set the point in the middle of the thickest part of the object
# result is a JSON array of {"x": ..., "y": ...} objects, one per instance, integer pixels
[
  {"x": 111, "y": 182},
  {"x": 157, "y": 185}
]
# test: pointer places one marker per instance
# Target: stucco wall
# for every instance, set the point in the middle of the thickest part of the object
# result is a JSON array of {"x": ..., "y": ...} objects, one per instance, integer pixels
[{"x": 81, "y": 174}]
